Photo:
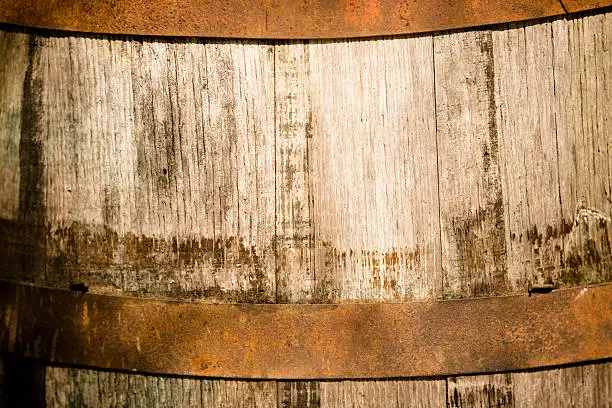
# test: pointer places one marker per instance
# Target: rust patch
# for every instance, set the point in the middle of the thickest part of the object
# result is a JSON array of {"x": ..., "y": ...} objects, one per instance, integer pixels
[{"x": 573, "y": 6}]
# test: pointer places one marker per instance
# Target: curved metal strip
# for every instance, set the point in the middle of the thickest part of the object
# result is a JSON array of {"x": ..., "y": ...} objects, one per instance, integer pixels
[
  {"x": 307, "y": 341},
  {"x": 307, "y": 19}
]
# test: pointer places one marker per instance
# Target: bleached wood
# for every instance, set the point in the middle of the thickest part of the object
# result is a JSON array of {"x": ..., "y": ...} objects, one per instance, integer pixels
[
  {"x": 579, "y": 387},
  {"x": 529, "y": 150},
  {"x": 157, "y": 177},
  {"x": 582, "y": 74},
  {"x": 374, "y": 169},
  {"x": 582, "y": 386},
  {"x": 481, "y": 391},
  {"x": 404, "y": 393},
  {"x": 296, "y": 275},
  {"x": 239, "y": 394}
]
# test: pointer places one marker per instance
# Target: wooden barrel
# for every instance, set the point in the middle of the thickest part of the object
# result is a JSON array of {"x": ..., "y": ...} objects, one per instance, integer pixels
[{"x": 446, "y": 165}]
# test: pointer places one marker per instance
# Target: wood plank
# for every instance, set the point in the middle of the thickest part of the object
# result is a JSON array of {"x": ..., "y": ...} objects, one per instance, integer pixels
[
  {"x": 552, "y": 112},
  {"x": 581, "y": 386},
  {"x": 296, "y": 278},
  {"x": 153, "y": 181},
  {"x": 525, "y": 91},
  {"x": 21, "y": 382},
  {"x": 13, "y": 67},
  {"x": 142, "y": 178},
  {"x": 357, "y": 191},
  {"x": 376, "y": 233},
  {"x": 389, "y": 393},
  {"x": 93, "y": 388},
  {"x": 239, "y": 394},
  {"x": 481, "y": 391},
  {"x": 524, "y": 237},
  {"x": 471, "y": 201},
  {"x": 14, "y": 63},
  {"x": 582, "y": 72},
  {"x": 70, "y": 387}
]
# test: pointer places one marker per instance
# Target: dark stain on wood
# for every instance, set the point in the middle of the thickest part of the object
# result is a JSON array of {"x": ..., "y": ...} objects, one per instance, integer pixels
[
  {"x": 299, "y": 394},
  {"x": 481, "y": 247},
  {"x": 490, "y": 154},
  {"x": 381, "y": 266},
  {"x": 485, "y": 395},
  {"x": 79, "y": 287},
  {"x": 479, "y": 236},
  {"x": 587, "y": 256},
  {"x": 110, "y": 207},
  {"x": 583, "y": 248},
  {"x": 108, "y": 260},
  {"x": 31, "y": 166}
]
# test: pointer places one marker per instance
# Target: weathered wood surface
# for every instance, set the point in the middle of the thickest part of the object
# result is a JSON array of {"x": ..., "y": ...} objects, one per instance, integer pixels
[
  {"x": 449, "y": 165},
  {"x": 339, "y": 196},
  {"x": 581, "y": 386},
  {"x": 552, "y": 92}
]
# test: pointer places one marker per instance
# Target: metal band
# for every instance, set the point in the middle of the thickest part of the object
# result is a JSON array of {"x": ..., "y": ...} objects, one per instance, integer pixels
[
  {"x": 307, "y": 341},
  {"x": 278, "y": 19}
]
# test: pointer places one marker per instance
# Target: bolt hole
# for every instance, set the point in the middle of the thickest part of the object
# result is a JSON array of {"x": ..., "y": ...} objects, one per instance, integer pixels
[{"x": 79, "y": 287}]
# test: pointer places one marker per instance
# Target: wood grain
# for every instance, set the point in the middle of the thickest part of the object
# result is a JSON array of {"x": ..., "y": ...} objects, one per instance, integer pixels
[
  {"x": 14, "y": 51},
  {"x": 402, "y": 393},
  {"x": 296, "y": 278},
  {"x": 374, "y": 177},
  {"x": 145, "y": 179},
  {"x": 551, "y": 86},
  {"x": 356, "y": 171},
  {"x": 582, "y": 72},
  {"x": 471, "y": 203},
  {"x": 530, "y": 175},
  {"x": 152, "y": 180},
  {"x": 580, "y": 386},
  {"x": 449, "y": 165},
  {"x": 91, "y": 388}
]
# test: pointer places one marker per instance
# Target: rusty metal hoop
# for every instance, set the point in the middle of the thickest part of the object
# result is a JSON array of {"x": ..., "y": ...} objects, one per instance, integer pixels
[
  {"x": 272, "y": 19},
  {"x": 283, "y": 341}
]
